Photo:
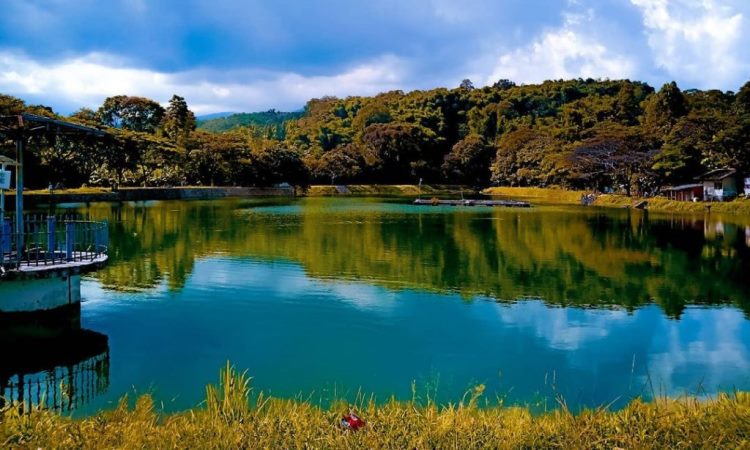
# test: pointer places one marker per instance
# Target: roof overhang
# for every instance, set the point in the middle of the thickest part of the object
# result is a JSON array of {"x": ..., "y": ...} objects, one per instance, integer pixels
[
  {"x": 30, "y": 124},
  {"x": 683, "y": 187},
  {"x": 5, "y": 161},
  {"x": 717, "y": 175}
]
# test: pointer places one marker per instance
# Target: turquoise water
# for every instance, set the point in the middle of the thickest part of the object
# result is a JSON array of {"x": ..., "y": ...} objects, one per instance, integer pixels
[{"x": 322, "y": 298}]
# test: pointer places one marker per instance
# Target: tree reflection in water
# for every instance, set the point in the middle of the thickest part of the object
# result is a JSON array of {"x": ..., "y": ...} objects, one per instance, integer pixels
[{"x": 563, "y": 255}]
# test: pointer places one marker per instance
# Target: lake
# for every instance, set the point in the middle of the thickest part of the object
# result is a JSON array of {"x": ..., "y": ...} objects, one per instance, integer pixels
[{"x": 322, "y": 298}]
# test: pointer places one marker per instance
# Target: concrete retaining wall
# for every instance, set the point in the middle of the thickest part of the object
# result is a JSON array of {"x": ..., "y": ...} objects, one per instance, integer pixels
[
  {"x": 142, "y": 194},
  {"x": 39, "y": 294}
]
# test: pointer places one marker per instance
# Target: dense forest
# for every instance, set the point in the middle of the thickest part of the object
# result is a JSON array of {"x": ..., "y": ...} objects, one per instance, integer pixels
[
  {"x": 270, "y": 118},
  {"x": 587, "y": 134}
]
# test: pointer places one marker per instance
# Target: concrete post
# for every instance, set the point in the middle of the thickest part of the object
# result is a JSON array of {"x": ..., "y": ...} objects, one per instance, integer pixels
[
  {"x": 4, "y": 239},
  {"x": 7, "y": 233},
  {"x": 20, "y": 147},
  {"x": 2, "y": 198}
]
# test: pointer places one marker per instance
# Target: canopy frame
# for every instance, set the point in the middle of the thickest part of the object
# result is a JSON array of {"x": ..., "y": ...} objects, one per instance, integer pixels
[{"x": 20, "y": 128}]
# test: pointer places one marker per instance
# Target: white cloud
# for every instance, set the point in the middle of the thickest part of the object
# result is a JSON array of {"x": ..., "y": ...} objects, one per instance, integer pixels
[
  {"x": 714, "y": 343},
  {"x": 563, "y": 328},
  {"x": 565, "y": 52},
  {"x": 700, "y": 41},
  {"x": 87, "y": 80}
]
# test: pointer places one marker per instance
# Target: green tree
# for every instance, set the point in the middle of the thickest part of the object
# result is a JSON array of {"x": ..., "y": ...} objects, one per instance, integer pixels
[
  {"x": 344, "y": 163},
  {"x": 469, "y": 162},
  {"x": 662, "y": 110},
  {"x": 178, "y": 121},
  {"x": 131, "y": 113}
]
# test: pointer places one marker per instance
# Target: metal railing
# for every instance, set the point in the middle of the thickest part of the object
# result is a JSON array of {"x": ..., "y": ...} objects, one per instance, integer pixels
[{"x": 51, "y": 240}]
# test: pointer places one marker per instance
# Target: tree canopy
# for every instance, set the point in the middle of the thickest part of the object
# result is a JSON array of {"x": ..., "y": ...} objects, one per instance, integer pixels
[{"x": 591, "y": 134}]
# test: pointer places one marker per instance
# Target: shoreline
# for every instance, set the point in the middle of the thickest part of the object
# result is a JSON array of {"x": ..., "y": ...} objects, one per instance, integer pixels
[
  {"x": 737, "y": 207},
  {"x": 93, "y": 195},
  {"x": 549, "y": 196}
]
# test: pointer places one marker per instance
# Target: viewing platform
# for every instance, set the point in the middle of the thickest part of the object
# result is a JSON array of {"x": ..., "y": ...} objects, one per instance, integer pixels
[{"x": 40, "y": 268}]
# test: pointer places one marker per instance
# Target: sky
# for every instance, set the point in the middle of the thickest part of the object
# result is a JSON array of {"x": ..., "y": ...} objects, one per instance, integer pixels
[{"x": 252, "y": 55}]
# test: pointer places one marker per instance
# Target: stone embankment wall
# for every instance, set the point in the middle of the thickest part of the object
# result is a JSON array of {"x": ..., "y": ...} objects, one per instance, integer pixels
[{"x": 140, "y": 194}]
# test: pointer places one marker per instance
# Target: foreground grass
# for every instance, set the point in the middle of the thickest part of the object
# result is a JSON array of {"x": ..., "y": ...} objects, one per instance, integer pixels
[{"x": 229, "y": 420}]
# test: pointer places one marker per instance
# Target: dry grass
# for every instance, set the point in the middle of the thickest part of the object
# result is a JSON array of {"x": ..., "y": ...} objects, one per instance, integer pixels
[
  {"x": 75, "y": 191},
  {"x": 538, "y": 195},
  {"x": 660, "y": 204},
  {"x": 231, "y": 420},
  {"x": 739, "y": 206},
  {"x": 387, "y": 190}
]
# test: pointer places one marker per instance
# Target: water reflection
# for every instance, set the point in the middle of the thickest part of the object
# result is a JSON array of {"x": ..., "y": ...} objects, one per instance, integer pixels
[
  {"x": 565, "y": 256},
  {"x": 278, "y": 322},
  {"x": 50, "y": 361},
  {"x": 359, "y": 293}
]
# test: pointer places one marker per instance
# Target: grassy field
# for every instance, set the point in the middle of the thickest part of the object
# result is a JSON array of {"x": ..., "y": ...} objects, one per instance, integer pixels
[
  {"x": 538, "y": 195},
  {"x": 387, "y": 190},
  {"x": 314, "y": 190},
  {"x": 228, "y": 419},
  {"x": 75, "y": 191},
  {"x": 659, "y": 204}
]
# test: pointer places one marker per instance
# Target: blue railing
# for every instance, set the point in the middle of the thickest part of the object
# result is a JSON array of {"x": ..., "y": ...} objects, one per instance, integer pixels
[{"x": 52, "y": 240}]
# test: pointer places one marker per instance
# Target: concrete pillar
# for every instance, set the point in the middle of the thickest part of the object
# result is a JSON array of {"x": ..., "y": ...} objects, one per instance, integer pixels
[
  {"x": 5, "y": 238},
  {"x": 20, "y": 148}
]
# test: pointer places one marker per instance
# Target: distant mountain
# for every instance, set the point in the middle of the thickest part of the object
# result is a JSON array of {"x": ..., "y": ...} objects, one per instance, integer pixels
[
  {"x": 270, "y": 117},
  {"x": 218, "y": 115}
]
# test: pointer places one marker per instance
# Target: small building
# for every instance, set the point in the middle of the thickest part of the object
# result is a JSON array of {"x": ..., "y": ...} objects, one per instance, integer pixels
[
  {"x": 720, "y": 184},
  {"x": 684, "y": 193},
  {"x": 747, "y": 187}
]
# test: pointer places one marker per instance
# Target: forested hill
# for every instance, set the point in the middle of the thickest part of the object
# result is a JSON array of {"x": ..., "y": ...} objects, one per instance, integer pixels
[
  {"x": 584, "y": 134},
  {"x": 262, "y": 119}
]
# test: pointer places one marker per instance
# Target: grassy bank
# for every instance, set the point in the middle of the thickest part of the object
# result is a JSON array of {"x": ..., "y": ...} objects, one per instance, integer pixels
[
  {"x": 538, "y": 195},
  {"x": 385, "y": 190},
  {"x": 659, "y": 204},
  {"x": 229, "y": 420},
  {"x": 739, "y": 206},
  {"x": 373, "y": 190}
]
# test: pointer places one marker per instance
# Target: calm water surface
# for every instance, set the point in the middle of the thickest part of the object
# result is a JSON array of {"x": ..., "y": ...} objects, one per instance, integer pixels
[{"x": 321, "y": 297}]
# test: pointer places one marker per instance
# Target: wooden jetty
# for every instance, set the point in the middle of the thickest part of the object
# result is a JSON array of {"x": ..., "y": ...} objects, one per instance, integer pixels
[{"x": 505, "y": 203}]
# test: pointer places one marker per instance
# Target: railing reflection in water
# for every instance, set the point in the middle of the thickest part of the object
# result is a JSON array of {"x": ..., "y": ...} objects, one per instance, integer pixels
[
  {"x": 61, "y": 389},
  {"x": 48, "y": 361}
]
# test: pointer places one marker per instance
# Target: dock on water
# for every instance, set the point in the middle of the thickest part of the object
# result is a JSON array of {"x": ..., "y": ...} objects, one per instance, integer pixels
[{"x": 505, "y": 203}]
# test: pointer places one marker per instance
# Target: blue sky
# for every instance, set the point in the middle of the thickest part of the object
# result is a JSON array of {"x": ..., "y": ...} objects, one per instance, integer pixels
[{"x": 233, "y": 55}]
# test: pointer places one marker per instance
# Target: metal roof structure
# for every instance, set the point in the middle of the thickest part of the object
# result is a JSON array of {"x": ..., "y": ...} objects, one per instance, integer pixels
[
  {"x": 26, "y": 124},
  {"x": 5, "y": 161},
  {"x": 682, "y": 187},
  {"x": 717, "y": 175},
  {"x": 20, "y": 128}
]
